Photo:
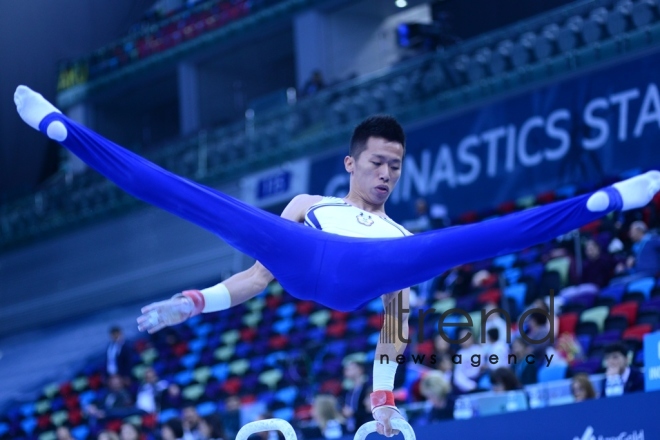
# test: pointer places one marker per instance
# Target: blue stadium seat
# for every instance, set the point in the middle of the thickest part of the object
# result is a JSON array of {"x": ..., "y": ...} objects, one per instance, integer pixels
[
  {"x": 553, "y": 372},
  {"x": 614, "y": 291},
  {"x": 517, "y": 292},
  {"x": 206, "y": 408},
  {"x": 28, "y": 425},
  {"x": 183, "y": 377},
  {"x": 203, "y": 329},
  {"x": 645, "y": 285},
  {"x": 512, "y": 275},
  {"x": 220, "y": 371},
  {"x": 286, "y": 310},
  {"x": 287, "y": 395},
  {"x": 167, "y": 414},
  {"x": 283, "y": 325},
  {"x": 505, "y": 261},
  {"x": 283, "y": 413},
  {"x": 197, "y": 345},
  {"x": 80, "y": 432},
  {"x": 4, "y": 428},
  {"x": 190, "y": 360}
]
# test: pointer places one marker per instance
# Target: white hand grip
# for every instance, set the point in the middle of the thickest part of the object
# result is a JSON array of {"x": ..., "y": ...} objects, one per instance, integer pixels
[
  {"x": 400, "y": 424},
  {"x": 267, "y": 425}
]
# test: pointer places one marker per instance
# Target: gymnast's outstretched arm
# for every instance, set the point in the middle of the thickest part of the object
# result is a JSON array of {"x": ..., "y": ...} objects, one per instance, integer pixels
[{"x": 233, "y": 291}]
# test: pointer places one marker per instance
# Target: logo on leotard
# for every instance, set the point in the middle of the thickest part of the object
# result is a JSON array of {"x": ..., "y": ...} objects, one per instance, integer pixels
[{"x": 363, "y": 220}]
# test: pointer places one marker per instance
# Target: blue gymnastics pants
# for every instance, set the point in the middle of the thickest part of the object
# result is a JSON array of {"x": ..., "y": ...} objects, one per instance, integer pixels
[{"x": 342, "y": 273}]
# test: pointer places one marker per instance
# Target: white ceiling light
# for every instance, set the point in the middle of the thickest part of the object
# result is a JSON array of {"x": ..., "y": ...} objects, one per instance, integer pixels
[{"x": 401, "y": 3}]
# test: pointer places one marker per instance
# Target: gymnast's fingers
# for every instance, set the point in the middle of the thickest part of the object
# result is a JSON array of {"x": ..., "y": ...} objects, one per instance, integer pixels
[{"x": 160, "y": 326}]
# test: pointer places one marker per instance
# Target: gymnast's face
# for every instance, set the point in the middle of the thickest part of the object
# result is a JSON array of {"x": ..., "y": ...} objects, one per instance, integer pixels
[{"x": 376, "y": 171}]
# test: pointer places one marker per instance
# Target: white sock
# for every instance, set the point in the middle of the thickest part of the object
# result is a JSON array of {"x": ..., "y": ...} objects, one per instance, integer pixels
[
  {"x": 32, "y": 108},
  {"x": 638, "y": 191}
]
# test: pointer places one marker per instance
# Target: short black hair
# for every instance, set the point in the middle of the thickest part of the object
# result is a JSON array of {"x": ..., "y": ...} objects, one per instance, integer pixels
[
  {"x": 379, "y": 126},
  {"x": 493, "y": 333},
  {"x": 616, "y": 347}
]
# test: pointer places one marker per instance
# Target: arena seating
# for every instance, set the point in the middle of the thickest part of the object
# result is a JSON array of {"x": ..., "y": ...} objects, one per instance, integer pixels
[{"x": 250, "y": 352}]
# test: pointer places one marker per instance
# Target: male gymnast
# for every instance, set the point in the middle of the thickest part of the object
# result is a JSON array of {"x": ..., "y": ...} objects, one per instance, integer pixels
[{"x": 349, "y": 253}]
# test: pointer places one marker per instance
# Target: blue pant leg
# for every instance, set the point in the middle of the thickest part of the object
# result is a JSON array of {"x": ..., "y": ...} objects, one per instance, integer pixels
[
  {"x": 389, "y": 265},
  {"x": 289, "y": 250}
]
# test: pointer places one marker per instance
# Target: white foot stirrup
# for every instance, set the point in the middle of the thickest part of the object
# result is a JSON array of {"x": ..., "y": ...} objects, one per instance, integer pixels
[
  {"x": 289, "y": 434},
  {"x": 267, "y": 425},
  {"x": 400, "y": 424}
]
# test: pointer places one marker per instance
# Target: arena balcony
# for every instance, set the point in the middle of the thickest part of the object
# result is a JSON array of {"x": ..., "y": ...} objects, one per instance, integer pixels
[
  {"x": 154, "y": 44},
  {"x": 537, "y": 51}
]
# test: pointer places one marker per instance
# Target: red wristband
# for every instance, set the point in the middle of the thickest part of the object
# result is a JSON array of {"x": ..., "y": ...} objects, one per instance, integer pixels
[
  {"x": 381, "y": 398},
  {"x": 198, "y": 300}
]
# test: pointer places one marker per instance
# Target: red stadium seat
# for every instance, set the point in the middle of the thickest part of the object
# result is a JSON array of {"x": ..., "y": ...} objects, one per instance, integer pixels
[
  {"x": 331, "y": 386},
  {"x": 248, "y": 334},
  {"x": 591, "y": 228},
  {"x": 232, "y": 385},
  {"x": 95, "y": 381},
  {"x": 336, "y": 330},
  {"x": 272, "y": 302},
  {"x": 305, "y": 307},
  {"x": 66, "y": 389},
  {"x": 469, "y": 217},
  {"x": 627, "y": 309},
  {"x": 278, "y": 342},
  {"x": 490, "y": 296},
  {"x": 507, "y": 207},
  {"x": 376, "y": 321},
  {"x": 180, "y": 349},
  {"x": 567, "y": 322},
  {"x": 336, "y": 315},
  {"x": 637, "y": 332}
]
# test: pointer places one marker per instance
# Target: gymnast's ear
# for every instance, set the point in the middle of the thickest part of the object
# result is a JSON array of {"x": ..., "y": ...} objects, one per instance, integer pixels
[{"x": 349, "y": 164}]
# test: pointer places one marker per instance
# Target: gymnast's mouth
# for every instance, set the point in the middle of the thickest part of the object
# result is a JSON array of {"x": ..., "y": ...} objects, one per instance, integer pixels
[{"x": 382, "y": 189}]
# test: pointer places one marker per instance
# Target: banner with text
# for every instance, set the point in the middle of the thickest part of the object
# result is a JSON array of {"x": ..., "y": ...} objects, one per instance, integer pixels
[{"x": 579, "y": 130}]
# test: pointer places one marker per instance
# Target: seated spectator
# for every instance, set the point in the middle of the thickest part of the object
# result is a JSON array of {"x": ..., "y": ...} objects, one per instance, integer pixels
[
  {"x": 446, "y": 367},
  {"x": 329, "y": 423},
  {"x": 313, "y": 84},
  {"x": 620, "y": 378},
  {"x": 129, "y": 431},
  {"x": 646, "y": 250},
  {"x": 172, "y": 430},
  {"x": 231, "y": 417},
  {"x": 352, "y": 410},
  {"x": 457, "y": 282},
  {"x": 439, "y": 405},
  {"x": 150, "y": 393},
  {"x": 191, "y": 421},
  {"x": 495, "y": 346},
  {"x": 210, "y": 428},
  {"x": 538, "y": 328},
  {"x": 525, "y": 372},
  {"x": 503, "y": 379},
  {"x": 597, "y": 266},
  {"x": 63, "y": 433},
  {"x": 466, "y": 376},
  {"x": 569, "y": 348},
  {"x": 496, "y": 321},
  {"x": 581, "y": 388},
  {"x": 111, "y": 435},
  {"x": 117, "y": 403},
  {"x": 171, "y": 398}
]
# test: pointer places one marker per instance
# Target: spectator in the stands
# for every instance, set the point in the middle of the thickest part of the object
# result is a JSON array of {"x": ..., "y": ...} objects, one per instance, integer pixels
[
  {"x": 525, "y": 371},
  {"x": 111, "y": 435},
  {"x": 171, "y": 398},
  {"x": 457, "y": 282},
  {"x": 210, "y": 428},
  {"x": 329, "y": 423},
  {"x": 117, "y": 403},
  {"x": 118, "y": 356},
  {"x": 582, "y": 388},
  {"x": 191, "y": 421},
  {"x": 352, "y": 409},
  {"x": 503, "y": 379},
  {"x": 150, "y": 393},
  {"x": 645, "y": 259},
  {"x": 421, "y": 222},
  {"x": 313, "y": 84},
  {"x": 231, "y": 417},
  {"x": 467, "y": 374},
  {"x": 441, "y": 346},
  {"x": 495, "y": 321},
  {"x": 537, "y": 327},
  {"x": 63, "y": 433},
  {"x": 495, "y": 346},
  {"x": 597, "y": 266},
  {"x": 439, "y": 405},
  {"x": 446, "y": 367},
  {"x": 620, "y": 377},
  {"x": 172, "y": 430},
  {"x": 129, "y": 431}
]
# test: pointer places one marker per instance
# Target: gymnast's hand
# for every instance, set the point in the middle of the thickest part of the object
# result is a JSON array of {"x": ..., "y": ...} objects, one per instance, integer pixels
[
  {"x": 161, "y": 314},
  {"x": 383, "y": 415}
]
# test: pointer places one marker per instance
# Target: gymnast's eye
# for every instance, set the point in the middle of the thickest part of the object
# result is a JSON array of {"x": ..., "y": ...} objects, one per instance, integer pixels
[
  {"x": 395, "y": 168},
  {"x": 376, "y": 163}
]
